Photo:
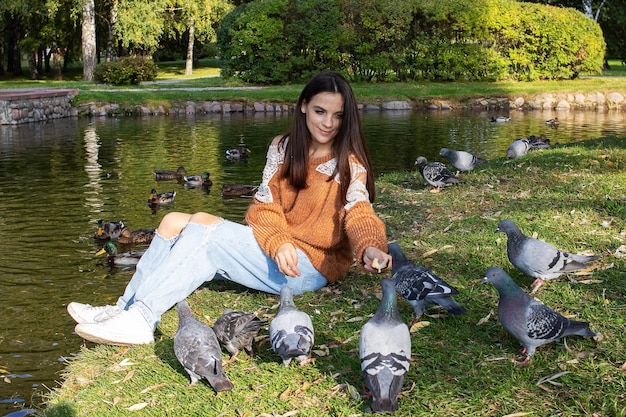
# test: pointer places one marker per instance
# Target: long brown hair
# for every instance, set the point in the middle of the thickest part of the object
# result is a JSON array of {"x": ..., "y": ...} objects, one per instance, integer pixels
[{"x": 349, "y": 140}]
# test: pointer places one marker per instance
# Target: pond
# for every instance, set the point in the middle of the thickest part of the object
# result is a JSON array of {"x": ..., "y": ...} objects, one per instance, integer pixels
[{"x": 57, "y": 179}]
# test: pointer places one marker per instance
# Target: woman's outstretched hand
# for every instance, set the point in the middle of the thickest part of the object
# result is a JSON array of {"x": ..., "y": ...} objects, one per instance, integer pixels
[
  {"x": 375, "y": 260},
  {"x": 287, "y": 260}
]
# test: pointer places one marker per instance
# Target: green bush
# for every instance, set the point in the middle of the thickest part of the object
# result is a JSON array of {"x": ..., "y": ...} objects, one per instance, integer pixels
[
  {"x": 278, "y": 41},
  {"x": 126, "y": 70}
]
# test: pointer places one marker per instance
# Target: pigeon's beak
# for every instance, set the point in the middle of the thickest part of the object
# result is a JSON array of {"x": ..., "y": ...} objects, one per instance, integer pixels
[
  {"x": 484, "y": 280},
  {"x": 497, "y": 230}
]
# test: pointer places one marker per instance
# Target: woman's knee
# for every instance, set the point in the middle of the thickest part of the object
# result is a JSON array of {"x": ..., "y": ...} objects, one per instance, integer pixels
[
  {"x": 204, "y": 218},
  {"x": 172, "y": 224}
]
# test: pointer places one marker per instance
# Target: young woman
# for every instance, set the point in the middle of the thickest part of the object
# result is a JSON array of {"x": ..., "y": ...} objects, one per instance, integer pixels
[{"x": 311, "y": 216}]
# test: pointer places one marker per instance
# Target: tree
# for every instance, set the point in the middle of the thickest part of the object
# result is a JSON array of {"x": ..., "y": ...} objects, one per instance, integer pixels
[
  {"x": 198, "y": 19},
  {"x": 89, "y": 39}
]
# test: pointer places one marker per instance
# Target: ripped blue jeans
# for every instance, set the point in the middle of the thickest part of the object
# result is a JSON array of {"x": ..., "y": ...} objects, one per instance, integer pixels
[{"x": 171, "y": 269}]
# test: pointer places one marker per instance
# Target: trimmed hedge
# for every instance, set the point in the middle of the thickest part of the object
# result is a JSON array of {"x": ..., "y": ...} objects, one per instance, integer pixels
[
  {"x": 275, "y": 41},
  {"x": 126, "y": 70}
]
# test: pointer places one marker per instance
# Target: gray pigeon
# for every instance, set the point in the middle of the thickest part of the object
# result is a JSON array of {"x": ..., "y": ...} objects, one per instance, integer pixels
[
  {"x": 461, "y": 160},
  {"x": 420, "y": 286},
  {"x": 236, "y": 331},
  {"x": 197, "y": 349},
  {"x": 385, "y": 351},
  {"x": 531, "y": 322},
  {"x": 518, "y": 148},
  {"x": 436, "y": 173},
  {"x": 537, "y": 258},
  {"x": 291, "y": 330}
]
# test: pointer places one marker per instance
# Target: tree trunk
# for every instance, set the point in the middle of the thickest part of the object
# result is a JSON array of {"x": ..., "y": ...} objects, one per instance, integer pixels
[
  {"x": 89, "y": 40},
  {"x": 110, "y": 49},
  {"x": 189, "y": 60},
  {"x": 56, "y": 59},
  {"x": 32, "y": 65}
]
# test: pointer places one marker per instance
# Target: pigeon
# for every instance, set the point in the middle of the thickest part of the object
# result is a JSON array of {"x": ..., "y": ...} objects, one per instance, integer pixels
[
  {"x": 236, "y": 331},
  {"x": 461, "y": 160},
  {"x": 197, "y": 349},
  {"x": 420, "y": 286},
  {"x": 531, "y": 322},
  {"x": 436, "y": 173},
  {"x": 291, "y": 330},
  {"x": 385, "y": 351},
  {"x": 518, "y": 148},
  {"x": 539, "y": 259}
]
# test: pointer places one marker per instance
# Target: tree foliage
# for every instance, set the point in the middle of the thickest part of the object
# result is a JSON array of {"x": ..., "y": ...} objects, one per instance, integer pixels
[{"x": 272, "y": 41}]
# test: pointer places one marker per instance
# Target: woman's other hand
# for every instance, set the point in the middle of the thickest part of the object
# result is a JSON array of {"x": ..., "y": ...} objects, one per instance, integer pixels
[{"x": 287, "y": 260}]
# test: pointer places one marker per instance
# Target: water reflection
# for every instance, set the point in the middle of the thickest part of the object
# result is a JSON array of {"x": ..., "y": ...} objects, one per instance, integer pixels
[{"x": 57, "y": 179}]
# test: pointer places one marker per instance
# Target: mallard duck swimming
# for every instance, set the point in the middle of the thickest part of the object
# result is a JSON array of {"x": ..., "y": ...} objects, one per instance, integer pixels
[
  {"x": 164, "y": 174},
  {"x": 500, "y": 119},
  {"x": 161, "y": 198},
  {"x": 109, "y": 230},
  {"x": 237, "y": 190},
  {"x": 235, "y": 154},
  {"x": 115, "y": 258},
  {"x": 137, "y": 237},
  {"x": 553, "y": 122},
  {"x": 193, "y": 181}
]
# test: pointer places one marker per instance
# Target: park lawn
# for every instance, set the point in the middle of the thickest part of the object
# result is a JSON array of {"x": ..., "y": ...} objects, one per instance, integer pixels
[
  {"x": 573, "y": 196},
  {"x": 206, "y": 84}
]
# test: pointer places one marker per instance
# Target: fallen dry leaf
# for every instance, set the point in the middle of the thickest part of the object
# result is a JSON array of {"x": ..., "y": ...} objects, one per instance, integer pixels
[
  {"x": 285, "y": 394},
  {"x": 322, "y": 351},
  {"x": 150, "y": 388},
  {"x": 418, "y": 325},
  {"x": 136, "y": 407},
  {"x": 486, "y": 318},
  {"x": 304, "y": 387},
  {"x": 129, "y": 375}
]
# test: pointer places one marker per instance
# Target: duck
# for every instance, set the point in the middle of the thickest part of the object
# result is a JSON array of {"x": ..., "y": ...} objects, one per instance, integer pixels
[
  {"x": 500, "y": 119},
  {"x": 237, "y": 190},
  {"x": 136, "y": 237},
  {"x": 165, "y": 174},
  {"x": 109, "y": 230},
  {"x": 538, "y": 142},
  {"x": 119, "y": 259},
  {"x": 194, "y": 181},
  {"x": 235, "y": 154},
  {"x": 553, "y": 122},
  {"x": 161, "y": 198}
]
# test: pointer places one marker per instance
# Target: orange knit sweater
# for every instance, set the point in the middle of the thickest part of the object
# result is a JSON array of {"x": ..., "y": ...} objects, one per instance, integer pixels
[{"x": 314, "y": 219}]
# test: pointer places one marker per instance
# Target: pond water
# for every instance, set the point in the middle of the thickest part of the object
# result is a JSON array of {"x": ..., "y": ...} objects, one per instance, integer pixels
[{"x": 57, "y": 179}]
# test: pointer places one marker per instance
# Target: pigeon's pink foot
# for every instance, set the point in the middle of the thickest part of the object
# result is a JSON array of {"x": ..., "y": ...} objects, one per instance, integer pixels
[{"x": 536, "y": 284}]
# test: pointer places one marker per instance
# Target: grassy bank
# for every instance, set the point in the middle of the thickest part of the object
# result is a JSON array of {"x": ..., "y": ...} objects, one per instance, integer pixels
[
  {"x": 572, "y": 196},
  {"x": 173, "y": 85}
]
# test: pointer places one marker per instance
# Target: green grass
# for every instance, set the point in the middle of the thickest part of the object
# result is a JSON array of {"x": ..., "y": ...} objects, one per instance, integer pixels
[
  {"x": 571, "y": 196},
  {"x": 207, "y": 75}
]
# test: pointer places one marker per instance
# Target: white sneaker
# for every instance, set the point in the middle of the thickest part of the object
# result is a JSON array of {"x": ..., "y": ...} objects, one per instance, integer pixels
[
  {"x": 128, "y": 327},
  {"x": 85, "y": 313}
]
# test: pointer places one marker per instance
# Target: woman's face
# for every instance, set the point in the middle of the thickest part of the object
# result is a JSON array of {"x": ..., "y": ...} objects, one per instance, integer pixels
[{"x": 324, "y": 113}]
